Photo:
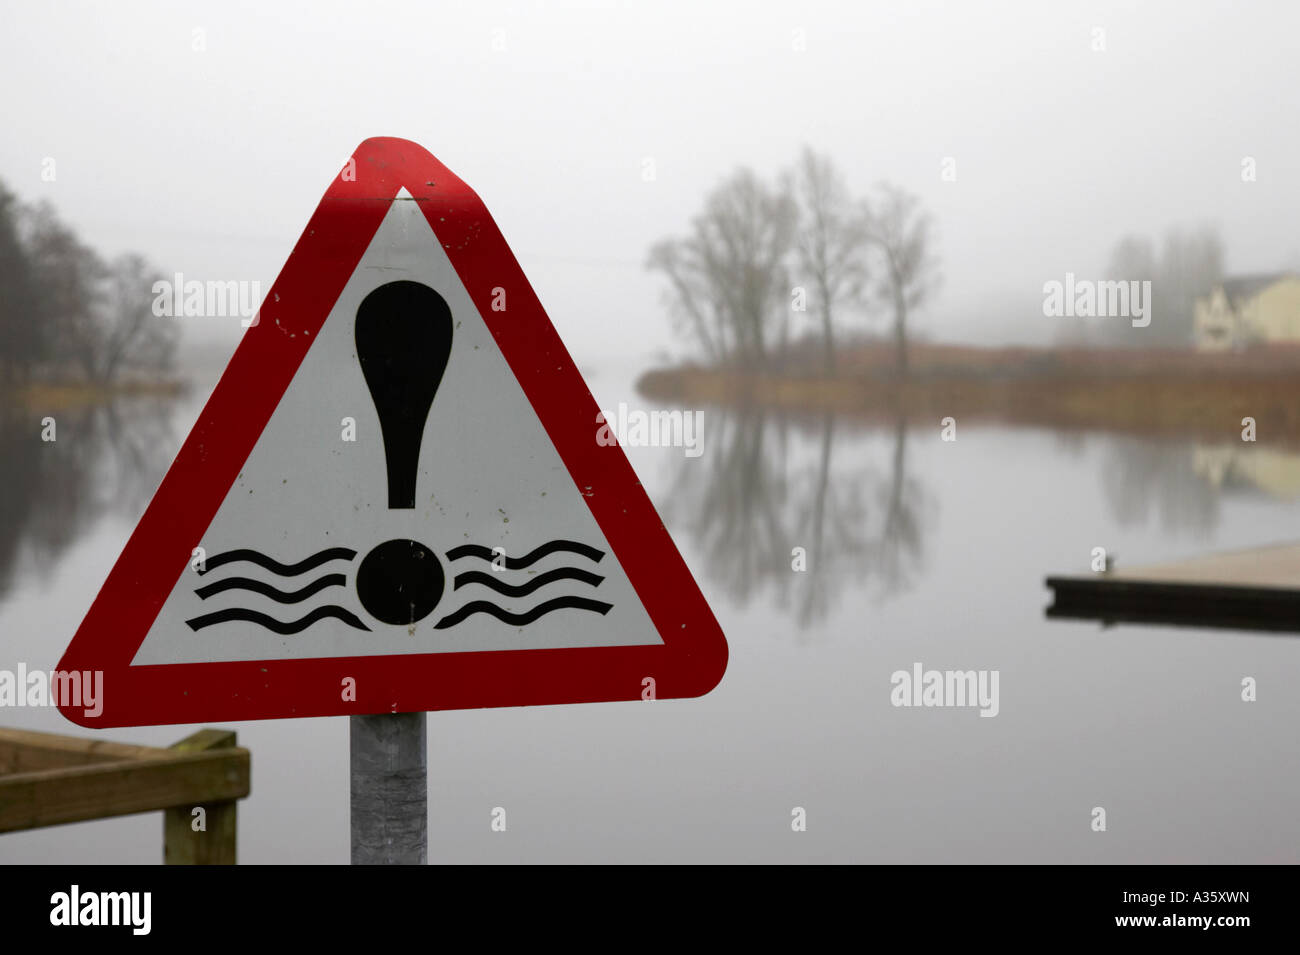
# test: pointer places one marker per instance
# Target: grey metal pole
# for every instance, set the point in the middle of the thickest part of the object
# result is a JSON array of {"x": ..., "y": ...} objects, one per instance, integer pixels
[{"x": 390, "y": 789}]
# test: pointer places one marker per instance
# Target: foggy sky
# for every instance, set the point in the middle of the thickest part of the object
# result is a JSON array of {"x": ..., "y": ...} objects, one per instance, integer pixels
[{"x": 210, "y": 162}]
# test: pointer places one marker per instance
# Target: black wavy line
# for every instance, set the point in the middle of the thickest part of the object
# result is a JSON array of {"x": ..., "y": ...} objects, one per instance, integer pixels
[
  {"x": 273, "y": 565},
  {"x": 523, "y": 590},
  {"x": 266, "y": 590},
  {"x": 519, "y": 619},
  {"x": 532, "y": 557},
  {"x": 282, "y": 627}
]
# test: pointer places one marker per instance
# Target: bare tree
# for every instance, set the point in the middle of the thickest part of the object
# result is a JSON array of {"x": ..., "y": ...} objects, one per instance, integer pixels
[
  {"x": 729, "y": 277},
  {"x": 66, "y": 275},
  {"x": 1132, "y": 260},
  {"x": 20, "y": 332},
  {"x": 131, "y": 336},
  {"x": 831, "y": 241},
  {"x": 1189, "y": 265},
  {"x": 693, "y": 298},
  {"x": 1191, "y": 262},
  {"x": 901, "y": 231}
]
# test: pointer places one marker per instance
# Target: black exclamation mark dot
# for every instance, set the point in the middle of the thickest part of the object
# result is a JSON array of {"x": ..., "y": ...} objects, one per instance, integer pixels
[{"x": 403, "y": 335}]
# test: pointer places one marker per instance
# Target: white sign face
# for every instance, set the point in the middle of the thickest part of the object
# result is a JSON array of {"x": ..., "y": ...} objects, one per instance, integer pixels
[{"x": 359, "y": 528}]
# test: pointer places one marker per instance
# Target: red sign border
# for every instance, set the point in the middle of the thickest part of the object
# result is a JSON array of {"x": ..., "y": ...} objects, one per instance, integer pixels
[{"x": 693, "y": 656}]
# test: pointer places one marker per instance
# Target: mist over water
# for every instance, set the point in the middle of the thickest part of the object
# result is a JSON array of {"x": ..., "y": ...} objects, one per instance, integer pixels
[
  {"x": 1059, "y": 149},
  {"x": 924, "y": 551}
]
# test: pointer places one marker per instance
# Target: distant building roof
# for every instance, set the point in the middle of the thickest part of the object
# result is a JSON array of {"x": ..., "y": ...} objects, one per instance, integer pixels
[{"x": 1241, "y": 287}]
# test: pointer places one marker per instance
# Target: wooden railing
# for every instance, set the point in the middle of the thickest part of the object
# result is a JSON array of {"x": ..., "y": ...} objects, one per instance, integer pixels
[{"x": 47, "y": 780}]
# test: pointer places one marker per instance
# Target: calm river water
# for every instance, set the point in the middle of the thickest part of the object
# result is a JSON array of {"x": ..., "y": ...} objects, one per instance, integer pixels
[{"x": 919, "y": 551}]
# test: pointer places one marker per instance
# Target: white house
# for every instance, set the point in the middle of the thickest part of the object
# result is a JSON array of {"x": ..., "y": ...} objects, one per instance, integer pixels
[{"x": 1249, "y": 310}]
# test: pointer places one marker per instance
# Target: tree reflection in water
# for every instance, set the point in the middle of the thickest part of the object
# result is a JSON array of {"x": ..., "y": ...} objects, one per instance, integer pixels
[
  {"x": 106, "y": 459},
  {"x": 767, "y": 485},
  {"x": 1143, "y": 477}
]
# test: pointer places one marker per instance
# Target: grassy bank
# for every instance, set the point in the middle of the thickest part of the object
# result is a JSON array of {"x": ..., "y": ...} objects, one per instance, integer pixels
[
  {"x": 50, "y": 397},
  {"x": 1175, "y": 394}
]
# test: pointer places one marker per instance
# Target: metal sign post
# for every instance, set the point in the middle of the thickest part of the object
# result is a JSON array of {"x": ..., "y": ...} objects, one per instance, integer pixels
[{"x": 390, "y": 789}]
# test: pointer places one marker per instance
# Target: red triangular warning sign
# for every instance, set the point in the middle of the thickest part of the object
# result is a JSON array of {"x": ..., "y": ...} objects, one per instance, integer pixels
[{"x": 396, "y": 498}]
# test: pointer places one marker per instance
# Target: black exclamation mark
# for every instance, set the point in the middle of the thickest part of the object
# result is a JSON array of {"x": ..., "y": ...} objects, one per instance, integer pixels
[{"x": 403, "y": 335}]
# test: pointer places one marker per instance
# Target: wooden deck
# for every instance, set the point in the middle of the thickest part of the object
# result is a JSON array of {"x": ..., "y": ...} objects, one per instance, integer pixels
[{"x": 1257, "y": 589}]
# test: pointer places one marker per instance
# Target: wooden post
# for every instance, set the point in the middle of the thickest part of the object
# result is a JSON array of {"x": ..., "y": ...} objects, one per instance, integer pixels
[
  {"x": 390, "y": 789},
  {"x": 215, "y": 843}
]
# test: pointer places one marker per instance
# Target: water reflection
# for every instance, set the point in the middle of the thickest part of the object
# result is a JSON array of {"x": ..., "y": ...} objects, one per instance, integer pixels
[
  {"x": 1143, "y": 478},
  {"x": 845, "y": 492},
  {"x": 770, "y": 485},
  {"x": 848, "y": 495},
  {"x": 1235, "y": 468},
  {"x": 1183, "y": 484},
  {"x": 104, "y": 459}
]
